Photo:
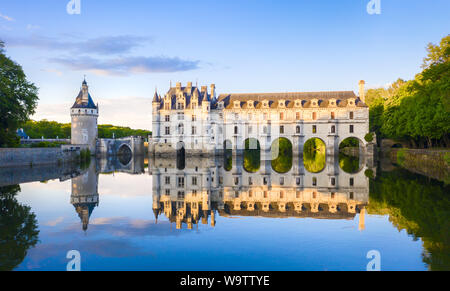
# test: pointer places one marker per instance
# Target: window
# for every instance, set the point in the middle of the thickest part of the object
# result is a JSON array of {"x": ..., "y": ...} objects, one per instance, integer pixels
[
  {"x": 250, "y": 193},
  {"x": 297, "y": 129},
  {"x": 250, "y": 181},
  {"x": 168, "y": 192},
  {"x": 351, "y": 195},
  {"x": 314, "y": 195},
  {"x": 351, "y": 115},
  {"x": 281, "y": 116},
  {"x": 333, "y": 195},
  {"x": 194, "y": 130},
  {"x": 282, "y": 129},
  {"x": 236, "y": 130},
  {"x": 236, "y": 181},
  {"x": 180, "y": 106},
  {"x": 180, "y": 128},
  {"x": 167, "y": 179},
  {"x": 352, "y": 181},
  {"x": 250, "y": 129},
  {"x": 180, "y": 116},
  {"x": 167, "y": 130},
  {"x": 194, "y": 181},
  {"x": 266, "y": 194},
  {"x": 282, "y": 181},
  {"x": 266, "y": 116},
  {"x": 314, "y": 129},
  {"x": 333, "y": 129},
  {"x": 333, "y": 181},
  {"x": 180, "y": 182},
  {"x": 265, "y": 180},
  {"x": 351, "y": 129},
  {"x": 298, "y": 181},
  {"x": 314, "y": 115},
  {"x": 194, "y": 118},
  {"x": 297, "y": 115},
  {"x": 167, "y": 118},
  {"x": 282, "y": 194},
  {"x": 332, "y": 115},
  {"x": 298, "y": 195},
  {"x": 265, "y": 129},
  {"x": 180, "y": 195},
  {"x": 314, "y": 181}
]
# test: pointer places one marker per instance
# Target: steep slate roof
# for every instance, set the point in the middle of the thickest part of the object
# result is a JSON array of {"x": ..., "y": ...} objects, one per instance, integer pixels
[
  {"x": 80, "y": 104},
  {"x": 188, "y": 93},
  {"x": 289, "y": 98}
]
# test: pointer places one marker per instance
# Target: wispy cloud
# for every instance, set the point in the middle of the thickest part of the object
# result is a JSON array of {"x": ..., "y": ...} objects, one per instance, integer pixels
[
  {"x": 6, "y": 17},
  {"x": 32, "y": 27},
  {"x": 123, "y": 66},
  {"x": 101, "y": 45}
]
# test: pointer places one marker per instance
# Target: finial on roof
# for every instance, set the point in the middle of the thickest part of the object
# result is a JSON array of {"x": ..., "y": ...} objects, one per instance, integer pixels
[{"x": 84, "y": 80}]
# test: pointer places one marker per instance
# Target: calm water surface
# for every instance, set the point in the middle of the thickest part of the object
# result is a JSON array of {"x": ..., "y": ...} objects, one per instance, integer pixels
[{"x": 163, "y": 215}]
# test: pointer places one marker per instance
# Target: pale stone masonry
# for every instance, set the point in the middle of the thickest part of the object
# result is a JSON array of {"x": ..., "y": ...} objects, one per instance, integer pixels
[
  {"x": 200, "y": 122},
  {"x": 84, "y": 114}
]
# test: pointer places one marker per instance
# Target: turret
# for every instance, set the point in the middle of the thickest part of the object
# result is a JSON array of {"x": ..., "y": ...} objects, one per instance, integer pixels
[{"x": 84, "y": 114}]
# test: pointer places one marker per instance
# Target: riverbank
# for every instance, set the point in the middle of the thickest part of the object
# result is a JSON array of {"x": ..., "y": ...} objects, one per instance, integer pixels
[
  {"x": 19, "y": 157},
  {"x": 428, "y": 162}
]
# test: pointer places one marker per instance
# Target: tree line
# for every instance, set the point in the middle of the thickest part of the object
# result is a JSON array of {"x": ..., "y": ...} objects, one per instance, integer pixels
[
  {"x": 53, "y": 129},
  {"x": 418, "y": 110}
]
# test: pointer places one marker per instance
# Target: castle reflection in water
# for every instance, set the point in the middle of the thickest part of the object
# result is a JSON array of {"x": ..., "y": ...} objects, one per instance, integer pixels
[{"x": 202, "y": 188}]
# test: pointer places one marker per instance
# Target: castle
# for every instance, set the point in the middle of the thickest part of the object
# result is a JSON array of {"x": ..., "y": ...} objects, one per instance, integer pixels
[{"x": 199, "y": 122}]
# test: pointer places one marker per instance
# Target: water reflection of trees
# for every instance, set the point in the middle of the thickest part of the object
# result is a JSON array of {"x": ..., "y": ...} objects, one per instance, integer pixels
[
  {"x": 420, "y": 206},
  {"x": 252, "y": 155},
  {"x": 282, "y": 152},
  {"x": 18, "y": 229},
  {"x": 314, "y": 155},
  {"x": 349, "y": 164}
]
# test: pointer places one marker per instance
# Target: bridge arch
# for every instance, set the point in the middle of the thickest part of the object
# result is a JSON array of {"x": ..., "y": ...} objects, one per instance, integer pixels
[
  {"x": 351, "y": 155},
  {"x": 125, "y": 154},
  {"x": 282, "y": 155},
  {"x": 252, "y": 155},
  {"x": 315, "y": 155},
  {"x": 181, "y": 155}
]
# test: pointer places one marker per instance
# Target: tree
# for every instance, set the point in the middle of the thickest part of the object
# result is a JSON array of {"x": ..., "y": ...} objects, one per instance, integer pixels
[
  {"x": 437, "y": 54},
  {"x": 18, "y": 99},
  {"x": 18, "y": 229}
]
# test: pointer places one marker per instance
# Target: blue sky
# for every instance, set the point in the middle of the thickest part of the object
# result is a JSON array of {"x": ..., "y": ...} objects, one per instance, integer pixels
[{"x": 127, "y": 48}]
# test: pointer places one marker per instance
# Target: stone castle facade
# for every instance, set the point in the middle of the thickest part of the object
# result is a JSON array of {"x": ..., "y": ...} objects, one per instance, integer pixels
[{"x": 198, "y": 121}]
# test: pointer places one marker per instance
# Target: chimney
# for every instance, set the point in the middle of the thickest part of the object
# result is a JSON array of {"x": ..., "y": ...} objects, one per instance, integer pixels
[
  {"x": 204, "y": 89},
  {"x": 362, "y": 92},
  {"x": 178, "y": 86},
  {"x": 189, "y": 85},
  {"x": 213, "y": 91}
]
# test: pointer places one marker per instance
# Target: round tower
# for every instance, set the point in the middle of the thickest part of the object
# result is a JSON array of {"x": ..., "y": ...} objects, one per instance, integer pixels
[{"x": 84, "y": 115}]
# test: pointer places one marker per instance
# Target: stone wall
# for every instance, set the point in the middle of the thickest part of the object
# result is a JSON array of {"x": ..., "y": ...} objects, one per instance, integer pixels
[
  {"x": 35, "y": 156},
  {"x": 430, "y": 163}
]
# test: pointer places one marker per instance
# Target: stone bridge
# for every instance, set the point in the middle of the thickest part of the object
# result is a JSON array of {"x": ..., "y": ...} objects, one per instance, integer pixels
[{"x": 128, "y": 146}]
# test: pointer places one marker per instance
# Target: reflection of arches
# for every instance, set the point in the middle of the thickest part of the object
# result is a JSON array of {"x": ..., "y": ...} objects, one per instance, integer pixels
[
  {"x": 281, "y": 151},
  {"x": 314, "y": 155},
  {"x": 252, "y": 155},
  {"x": 351, "y": 155},
  {"x": 181, "y": 156},
  {"x": 227, "y": 145},
  {"x": 125, "y": 154}
]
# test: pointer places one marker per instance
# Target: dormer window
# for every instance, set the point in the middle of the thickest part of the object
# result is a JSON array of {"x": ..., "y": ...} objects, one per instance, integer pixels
[
  {"x": 281, "y": 103},
  {"x": 298, "y": 103},
  {"x": 250, "y": 104},
  {"x": 332, "y": 102},
  {"x": 351, "y": 102},
  {"x": 314, "y": 103},
  {"x": 265, "y": 104},
  {"x": 237, "y": 104}
]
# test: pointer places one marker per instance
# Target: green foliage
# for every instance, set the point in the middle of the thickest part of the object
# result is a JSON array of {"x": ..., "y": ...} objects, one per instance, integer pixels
[
  {"x": 53, "y": 129},
  {"x": 447, "y": 158},
  {"x": 369, "y": 137},
  {"x": 417, "y": 110},
  {"x": 18, "y": 99},
  {"x": 228, "y": 161},
  {"x": 401, "y": 156},
  {"x": 369, "y": 174},
  {"x": 314, "y": 155},
  {"x": 349, "y": 164},
  {"x": 18, "y": 229},
  {"x": 252, "y": 155},
  {"x": 418, "y": 205},
  {"x": 350, "y": 142},
  {"x": 282, "y": 152}
]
